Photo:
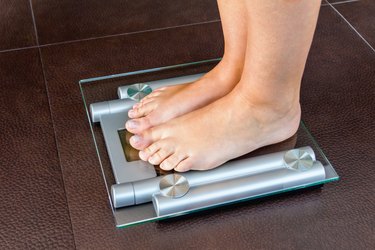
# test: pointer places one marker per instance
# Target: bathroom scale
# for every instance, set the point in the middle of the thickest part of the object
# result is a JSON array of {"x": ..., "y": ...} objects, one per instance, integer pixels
[{"x": 140, "y": 192}]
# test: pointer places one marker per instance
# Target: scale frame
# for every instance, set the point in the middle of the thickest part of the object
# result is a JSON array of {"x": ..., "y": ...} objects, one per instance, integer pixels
[{"x": 102, "y": 89}]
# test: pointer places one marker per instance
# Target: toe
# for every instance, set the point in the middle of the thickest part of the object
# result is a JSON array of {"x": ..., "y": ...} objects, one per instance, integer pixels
[
  {"x": 159, "y": 91},
  {"x": 145, "y": 139},
  {"x": 149, "y": 151},
  {"x": 160, "y": 156},
  {"x": 172, "y": 161},
  {"x": 137, "y": 126},
  {"x": 142, "y": 109},
  {"x": 184, "y": 165},
  {"x": 139, "y": 142},
  {"x": 147, "y": 99},
  {"x": 136, "y": 105}
]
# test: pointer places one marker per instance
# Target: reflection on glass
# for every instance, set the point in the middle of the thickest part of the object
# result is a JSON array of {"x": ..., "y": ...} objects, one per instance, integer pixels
[{"x": 131, "y": 154}]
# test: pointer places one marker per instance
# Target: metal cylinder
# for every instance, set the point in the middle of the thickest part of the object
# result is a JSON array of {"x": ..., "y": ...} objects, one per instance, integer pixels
[
  {"x": 124, "y": 93},
  {"x": 109, "y": 107},
  {"x": 228, "y": 191},
  {"x": 142, "y": 191}
]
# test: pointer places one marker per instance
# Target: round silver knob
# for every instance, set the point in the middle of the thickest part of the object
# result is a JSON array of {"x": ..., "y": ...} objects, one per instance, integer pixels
[
  {"x": 174, "y": 185},
  {"x": 299, "y": 160},
  {"x": 138, "y": 91}
]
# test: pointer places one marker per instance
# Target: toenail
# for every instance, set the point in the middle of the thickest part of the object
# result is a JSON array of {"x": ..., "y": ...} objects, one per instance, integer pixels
[
  {"x": 132, "y": 124},
  {"x": 131, "y": 112},
  {"x": 135, "y": 139},
  {"x": 164, "y": 165},
  {"x": 152, "y": 159},
  {"x": 143, "y": 155}
]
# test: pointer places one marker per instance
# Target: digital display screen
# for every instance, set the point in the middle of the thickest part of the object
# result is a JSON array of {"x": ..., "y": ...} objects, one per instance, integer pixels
[{"x": 131, "y": 154}]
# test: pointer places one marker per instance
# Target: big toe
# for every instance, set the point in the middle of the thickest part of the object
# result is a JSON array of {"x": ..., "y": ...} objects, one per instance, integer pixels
[
  {"x": 142, "y": 141},
  {"x": 139, "y": 142},
  {"x": 137, "y": 126}
]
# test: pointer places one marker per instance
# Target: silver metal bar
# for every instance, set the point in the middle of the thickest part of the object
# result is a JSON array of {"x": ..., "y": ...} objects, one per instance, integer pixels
[
  {"x": 123, "y": 93},
  {"x": 128, "y": 194},
  {"x": 99, "y": 109},
  {"x": 233, "y": 190}
]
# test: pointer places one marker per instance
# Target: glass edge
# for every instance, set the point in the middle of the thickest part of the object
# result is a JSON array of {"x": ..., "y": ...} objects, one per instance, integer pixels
[
  {"x": 144, "y": 71},
  {"x": 321, "y": 152},
  {"x": 186, "y": 212},
  {"x": 96, "y": 146}
]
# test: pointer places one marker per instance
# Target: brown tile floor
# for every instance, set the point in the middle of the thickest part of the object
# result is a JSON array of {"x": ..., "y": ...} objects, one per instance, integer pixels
[
  {"x": 74, "y": 20},
  {"x": 361, "y": 16},
  {"x": 54, "y": 195},
  {"x": 34, "y": 210},
  {"x": 16, "y": 25}
]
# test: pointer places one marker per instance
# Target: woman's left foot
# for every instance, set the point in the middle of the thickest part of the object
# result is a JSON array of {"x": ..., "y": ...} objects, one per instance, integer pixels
[
  {"x": 208, "y": 137},
  {"x": 170, "y": 102}
]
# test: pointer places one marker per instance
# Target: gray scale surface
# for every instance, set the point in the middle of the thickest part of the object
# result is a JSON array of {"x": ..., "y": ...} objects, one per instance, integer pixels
[{"x": 137, "y": 183}]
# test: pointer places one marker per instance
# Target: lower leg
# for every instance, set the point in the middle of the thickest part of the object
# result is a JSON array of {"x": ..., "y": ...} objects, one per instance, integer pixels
[
  {"x": 234, "y": 24},
  {"x": 280, "y": 35},
  {"x": 262, "y": 109}
]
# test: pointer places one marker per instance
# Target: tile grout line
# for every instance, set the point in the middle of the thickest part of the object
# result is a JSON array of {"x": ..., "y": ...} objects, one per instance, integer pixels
[
  {"x": 129, "y": 33},
  {"x": 108, "y": 36},
  {"x": 52, "y": 120},
  {"x": 18, "y": 49},
  {"x": 34, "y": 23},
  {"x": 351, "y": 26},
  {"x": 340, "y": 2}
]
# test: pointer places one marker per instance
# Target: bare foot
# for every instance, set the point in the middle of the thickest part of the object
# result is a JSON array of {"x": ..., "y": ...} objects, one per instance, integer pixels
[
  {"x": 206, "y": 138},
  {"x": 170, "y": 102},
  {"x": 262, "y": 109}
]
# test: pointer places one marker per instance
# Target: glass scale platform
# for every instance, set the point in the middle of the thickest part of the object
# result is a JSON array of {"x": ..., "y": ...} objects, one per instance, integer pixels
[{"x": 139, "y": 192}]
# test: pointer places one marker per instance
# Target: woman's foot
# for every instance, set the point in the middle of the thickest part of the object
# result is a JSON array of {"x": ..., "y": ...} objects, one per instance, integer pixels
[
  {"x": 169, "y": 102},
  {"x": 172, "y": 102},
  {"x": 223, "y": 130}
]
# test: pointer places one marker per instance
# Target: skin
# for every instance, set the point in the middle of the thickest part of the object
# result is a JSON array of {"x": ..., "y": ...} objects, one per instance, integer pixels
[
  {"x": 160, "y": 106},
  {"x": 262, "y": 109}
]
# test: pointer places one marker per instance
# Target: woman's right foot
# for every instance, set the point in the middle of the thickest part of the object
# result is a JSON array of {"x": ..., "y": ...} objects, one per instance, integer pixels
[{"x": 167, "y": 103}]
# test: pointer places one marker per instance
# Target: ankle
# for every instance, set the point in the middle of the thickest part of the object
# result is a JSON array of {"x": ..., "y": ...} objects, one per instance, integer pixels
[
  {"x": 234, "y": 65},
  {"x": 275, "y": 105},
  {"x": 279, "y": 95},
  {"x": 228, "y": 70},
  {"x": 221, "y": 79}
]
